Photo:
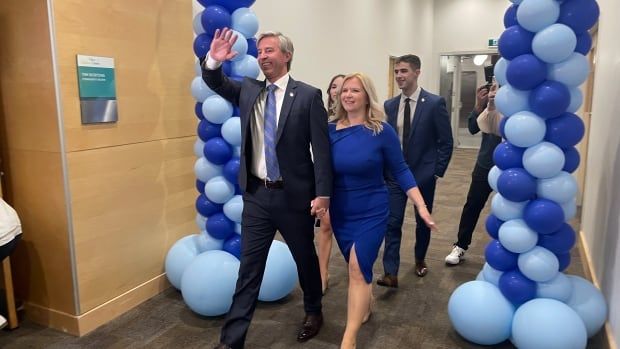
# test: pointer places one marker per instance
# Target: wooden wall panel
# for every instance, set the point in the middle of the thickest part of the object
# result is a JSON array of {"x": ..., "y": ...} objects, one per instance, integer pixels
[
  {"x": 151, "y": 42},
  {"x": 31, "y": 156},
  {"x": 130, "y": 203}
]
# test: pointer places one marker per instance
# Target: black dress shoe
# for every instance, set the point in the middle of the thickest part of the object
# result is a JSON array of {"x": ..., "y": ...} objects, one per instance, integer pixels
[
  {"x": 310, "y": 328},
  {"x": 421, "y": 269},
  {"x": 223, "y": 346},
  {"x": 388, "y": 281}
]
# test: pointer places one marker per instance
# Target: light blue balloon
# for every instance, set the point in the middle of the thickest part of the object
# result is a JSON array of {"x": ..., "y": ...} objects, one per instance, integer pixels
[
  {"x": 480, "y": 277},
  {"x": 233, "y": 208},
  {"x": 219, "y": 190},
  {"x": 560, "y": 188},
  {"x": 180, "y": 255},
  {"x": 238, "y": 228},
  {"x": 500, "y": 71},
  {"x": 237, "y": 152},
  {"x": 280, "y": 273},
  {"x": 539, "y": 264},
  {"x": 570, "y": 209},
  {"x": 206, "y": 242},
  {"x": 517, "y": 237},
  {"x": 199, "y": 147},
  {"x": 245, "y": 22},
  {"x": 559, "y": 288},
  {"x": 547, "y": 323},
  {"x": 554, "y": 43},
  {"x": 246, "y": 66},
  {"x": 208, "y": 283},
  {"x": 524, "y": 129},
  {"x": 491, "y": 274},
  {"x": 589, "y": 303},
  {"x": 480, "y": 313},
  {"x": 197, "y": 23},
  {"x": 516, "y": 2},
  {"x": 572, "y": 72},
  {"x": 216, "y": 109},
  {"x": 205, "y": 170},
  {"x": 510, "y": 100},
  {"x": 240, "y": 46},
  {"x": 200, "y": 90},
  {"x": 201, "y": 221},
  {"x": 576, "y": 99},
  {"x": 535, "y": 15},
  {"x": 197, "y": 68},
  {"x": 492, "y": 177},
  {"x": 505, "y": 209},
  {"x": 231, "y": 131},
  {"x": 544, "y": 160}
]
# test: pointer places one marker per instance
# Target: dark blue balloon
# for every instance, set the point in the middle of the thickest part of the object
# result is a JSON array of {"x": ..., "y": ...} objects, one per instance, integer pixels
[
  {"x": 549, "y": 99},
  {"x": 584, "y": 43},
  {"x": 252, "y": 48},
  {"x": 198, "y": 111},
  {"x": 580, "y": 15},
  {"x": 571, "y": 159},
  {"x": 565, "y": 131},
  {"x": 502, "y": 127},
  {"x": 492, "y": 225},
  {"x": 564, "y": 259},
  {"x": 543, "y": 216},
  {"x": 218, "y": 151},
  {"x": 236, "y": 111},
  {"x": 559, "y": 242},
  {"x": 231, "y": 170},
  {"x": 238, "y": 190},
  {"x": 515, "y": 41},
  {"x": 237, "y": 78},
  {"x": 227, "y": 68},
  {"x": 202, "y": 43},
  {"x": 206, "y": 207},
  {"x": 510, "y": 16},
  {"x": 526, "y": 72},
  {"x": 200, "y": 186},
  {"x": 516, "y": 184},
  {"x": 507, "y": 156},
  {"x": 230, "y": 5},
  {"x": 516, "y": 287},
  {"x": 220, "y": 227},
  {"x": 215, "y": 17},
  {"x": 207, "y": 130},
  {"x": 500, "y": 258},
  {"x": 232, "y": 245}
]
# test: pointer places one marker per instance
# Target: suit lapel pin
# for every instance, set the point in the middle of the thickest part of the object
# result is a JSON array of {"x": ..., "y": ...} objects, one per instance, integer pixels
[
  {"x": 291, "y": 94},
  {"x": 422, "y": 99}
]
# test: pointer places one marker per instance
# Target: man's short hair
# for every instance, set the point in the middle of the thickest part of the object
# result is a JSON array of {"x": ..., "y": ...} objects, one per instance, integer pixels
[{"x": 413, "y": 60}]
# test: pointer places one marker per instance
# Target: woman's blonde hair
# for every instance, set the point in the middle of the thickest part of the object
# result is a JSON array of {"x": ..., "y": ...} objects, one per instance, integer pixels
[{"x": 374, "y": 111}]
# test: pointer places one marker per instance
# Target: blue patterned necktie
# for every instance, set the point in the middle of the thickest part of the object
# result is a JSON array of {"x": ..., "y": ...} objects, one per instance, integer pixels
[{"x": 271, "y": 159}]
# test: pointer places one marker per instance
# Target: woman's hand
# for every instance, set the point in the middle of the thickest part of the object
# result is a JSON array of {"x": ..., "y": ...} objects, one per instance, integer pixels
[{"x": 428, "y": 219}]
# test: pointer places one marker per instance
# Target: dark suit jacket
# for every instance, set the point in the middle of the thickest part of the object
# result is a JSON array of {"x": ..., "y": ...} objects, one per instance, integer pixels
[
  {"x": 429, "y": 147},
  {"x": 302, "y": 123}
]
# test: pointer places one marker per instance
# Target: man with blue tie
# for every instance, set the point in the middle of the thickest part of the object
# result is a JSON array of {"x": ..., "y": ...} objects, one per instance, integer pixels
[
  {"x": 283, "y": 188},
  {"x": 423, "y": 126}
]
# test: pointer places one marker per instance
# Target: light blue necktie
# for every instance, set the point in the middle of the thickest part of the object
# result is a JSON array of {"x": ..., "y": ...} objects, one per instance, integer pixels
[{"x": 271, "y": 159}]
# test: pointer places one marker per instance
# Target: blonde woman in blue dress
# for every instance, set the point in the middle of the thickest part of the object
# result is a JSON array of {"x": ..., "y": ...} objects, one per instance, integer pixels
[{"x": 362, "y": 146}]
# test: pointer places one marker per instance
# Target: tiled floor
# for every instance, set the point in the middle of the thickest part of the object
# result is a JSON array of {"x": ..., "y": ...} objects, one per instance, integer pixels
[{"x": 413, "y": 316}]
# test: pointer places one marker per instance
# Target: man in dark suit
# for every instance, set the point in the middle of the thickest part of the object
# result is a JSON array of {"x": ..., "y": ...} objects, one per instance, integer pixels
[
  {"x": 423, "y": 125},
  {"x": 280, "y": 119}
]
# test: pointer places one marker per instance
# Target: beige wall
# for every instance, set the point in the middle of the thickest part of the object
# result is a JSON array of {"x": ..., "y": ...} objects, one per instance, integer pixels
[{"x": 129, "y": 188}]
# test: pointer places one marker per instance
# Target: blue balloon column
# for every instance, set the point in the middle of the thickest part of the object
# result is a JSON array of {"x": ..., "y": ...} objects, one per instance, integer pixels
[
  {"x": 521, "y": 293},
  {"x": 205, "y": 266}
]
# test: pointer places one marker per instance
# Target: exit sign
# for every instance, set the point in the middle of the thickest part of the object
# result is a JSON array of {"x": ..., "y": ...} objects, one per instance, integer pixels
[{"x": 492, "y": 43}]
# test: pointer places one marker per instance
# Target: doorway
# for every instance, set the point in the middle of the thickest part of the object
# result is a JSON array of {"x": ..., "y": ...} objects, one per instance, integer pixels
[{"x": 460, "y": 76}]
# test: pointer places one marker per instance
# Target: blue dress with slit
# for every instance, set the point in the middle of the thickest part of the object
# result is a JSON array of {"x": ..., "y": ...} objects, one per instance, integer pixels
[{"x": 359, "y": 205}]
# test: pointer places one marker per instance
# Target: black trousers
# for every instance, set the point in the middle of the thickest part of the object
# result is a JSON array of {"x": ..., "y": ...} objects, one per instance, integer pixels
[
  {"x": 7, "y": 249},
  {"x": 264, "y": 212},
  {"x": 479, "y": 191}
]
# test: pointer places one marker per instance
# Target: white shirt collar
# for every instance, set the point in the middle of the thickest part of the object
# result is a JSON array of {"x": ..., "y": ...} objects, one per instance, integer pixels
[
  {"x": 414, "y": 96},
  {"x": 281, "y": 82}
]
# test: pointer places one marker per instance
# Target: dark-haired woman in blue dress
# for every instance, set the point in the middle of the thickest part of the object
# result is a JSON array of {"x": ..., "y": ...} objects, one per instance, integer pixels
[{"x": 362, "y": 146}]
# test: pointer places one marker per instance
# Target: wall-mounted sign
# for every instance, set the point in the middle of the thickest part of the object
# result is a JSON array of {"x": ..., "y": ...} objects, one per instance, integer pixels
[
  {"x": 97, "y": 89},
  {"x": 492, "y": 43}
]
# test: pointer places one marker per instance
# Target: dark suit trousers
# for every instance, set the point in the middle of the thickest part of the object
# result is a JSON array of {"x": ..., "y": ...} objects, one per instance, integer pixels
[
  {"x": 479, "y": 191},
  {"x": 264, "y": 212},
  {"x": 393, "y": 234}
]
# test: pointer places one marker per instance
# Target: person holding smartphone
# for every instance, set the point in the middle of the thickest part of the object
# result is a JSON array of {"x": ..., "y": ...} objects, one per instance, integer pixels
[{"x": 479, "y": 189}]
